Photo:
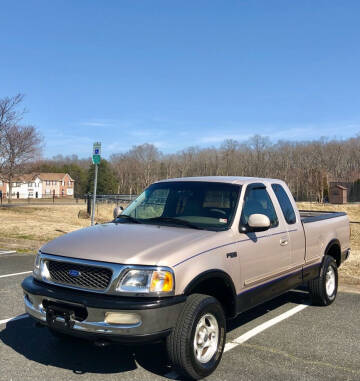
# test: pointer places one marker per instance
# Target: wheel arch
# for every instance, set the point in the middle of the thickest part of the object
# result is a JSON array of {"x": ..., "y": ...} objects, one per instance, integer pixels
[
  {"x": 216, "y": 283},
  {"x": 333, "y": 249}
]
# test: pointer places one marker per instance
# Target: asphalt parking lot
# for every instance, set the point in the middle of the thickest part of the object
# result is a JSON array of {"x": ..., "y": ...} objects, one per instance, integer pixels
[{"x": 285, "y": 339}]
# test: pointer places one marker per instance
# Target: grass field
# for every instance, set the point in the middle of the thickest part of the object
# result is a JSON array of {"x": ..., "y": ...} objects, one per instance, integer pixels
[{"x": 26, "y": 228}]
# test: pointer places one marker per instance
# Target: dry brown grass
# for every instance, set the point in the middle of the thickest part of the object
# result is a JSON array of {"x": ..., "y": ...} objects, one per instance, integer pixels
[
  {"x": 27, "y": 228},
  {"x": 350, "y": 270}
]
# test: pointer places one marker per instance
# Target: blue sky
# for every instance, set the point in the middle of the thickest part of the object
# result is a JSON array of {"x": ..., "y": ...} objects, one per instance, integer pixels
[{"x": 181, "y": 73}]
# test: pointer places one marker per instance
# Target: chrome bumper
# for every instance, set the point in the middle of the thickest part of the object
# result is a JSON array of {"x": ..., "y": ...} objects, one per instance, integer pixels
[
  {"x": 149, "y": 322},
  {"x": 37, "y": 311}
]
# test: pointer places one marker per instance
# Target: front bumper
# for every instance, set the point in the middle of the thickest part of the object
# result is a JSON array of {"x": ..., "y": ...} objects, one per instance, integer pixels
[{"x": 156, "y": 316}]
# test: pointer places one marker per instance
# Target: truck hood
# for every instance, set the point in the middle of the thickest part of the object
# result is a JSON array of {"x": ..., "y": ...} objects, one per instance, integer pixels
[{"x": 130, "y": 243}]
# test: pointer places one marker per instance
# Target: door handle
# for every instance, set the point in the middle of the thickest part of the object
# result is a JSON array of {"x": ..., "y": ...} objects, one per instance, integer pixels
[{"x": 284, "y": 241}]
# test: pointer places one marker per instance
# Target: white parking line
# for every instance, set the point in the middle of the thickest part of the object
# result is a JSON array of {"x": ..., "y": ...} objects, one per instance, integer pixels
[
  {"x": 7, "y": 252},
  {"x": 7, "y": 275},
  {"x": 23, "y": 316},
  {"x": 260, "y": 328}
]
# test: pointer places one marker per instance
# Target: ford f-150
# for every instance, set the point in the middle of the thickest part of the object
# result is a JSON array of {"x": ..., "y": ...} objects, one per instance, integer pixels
[{"x": 184, "y": 257}]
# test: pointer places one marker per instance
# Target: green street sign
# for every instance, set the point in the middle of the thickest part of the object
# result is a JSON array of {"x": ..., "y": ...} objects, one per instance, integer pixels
[{"x": 96, "y": 159}]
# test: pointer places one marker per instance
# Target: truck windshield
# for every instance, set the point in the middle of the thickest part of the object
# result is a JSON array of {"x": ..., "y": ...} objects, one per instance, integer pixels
[{"x": 189, "y": 204}]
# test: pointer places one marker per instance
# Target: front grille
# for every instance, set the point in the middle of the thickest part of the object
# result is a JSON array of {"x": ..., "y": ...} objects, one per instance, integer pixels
[{"x": 84, "y": 276}]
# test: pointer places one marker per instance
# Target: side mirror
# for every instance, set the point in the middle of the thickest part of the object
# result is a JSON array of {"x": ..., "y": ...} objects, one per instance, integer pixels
[
  {"x": 259, "y": 222},
  {"x": 117, "y": 211},
  {"x": 256, "y": 223}
]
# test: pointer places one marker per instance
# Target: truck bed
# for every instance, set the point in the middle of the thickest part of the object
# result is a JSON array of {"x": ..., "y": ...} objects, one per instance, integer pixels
[{"x": 317, "y": 215}]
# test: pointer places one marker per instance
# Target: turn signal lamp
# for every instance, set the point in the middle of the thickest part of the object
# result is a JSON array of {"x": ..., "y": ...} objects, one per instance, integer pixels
[{"x": 161, "y": 281}]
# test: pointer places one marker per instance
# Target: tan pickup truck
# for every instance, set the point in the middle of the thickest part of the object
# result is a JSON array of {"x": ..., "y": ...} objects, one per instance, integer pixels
[{"x": 184, "y": 257}]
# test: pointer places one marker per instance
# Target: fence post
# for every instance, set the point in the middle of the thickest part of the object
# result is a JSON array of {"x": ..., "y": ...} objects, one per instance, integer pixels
[{"x": 88, "y": 204}]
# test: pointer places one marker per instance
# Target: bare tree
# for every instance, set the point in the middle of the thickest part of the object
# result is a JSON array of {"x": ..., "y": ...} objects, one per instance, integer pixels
[
  {"x": 9, "y": 116},
  {"x": 19, "y": 144}
]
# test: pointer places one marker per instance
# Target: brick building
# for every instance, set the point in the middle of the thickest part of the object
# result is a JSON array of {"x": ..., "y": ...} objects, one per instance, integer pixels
[{"x": 58, "y": 184}]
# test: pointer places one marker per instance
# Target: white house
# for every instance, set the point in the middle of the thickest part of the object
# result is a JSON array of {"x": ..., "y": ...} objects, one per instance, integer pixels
[{"x": 26, "y": 186}]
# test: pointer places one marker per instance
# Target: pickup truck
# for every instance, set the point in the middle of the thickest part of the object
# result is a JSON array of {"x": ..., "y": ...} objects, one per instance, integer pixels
[{"x": 180, "y": 261}]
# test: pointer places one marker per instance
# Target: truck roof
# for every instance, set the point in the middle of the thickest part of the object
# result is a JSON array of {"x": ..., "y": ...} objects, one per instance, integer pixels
[{"x": 226, "y": 179}]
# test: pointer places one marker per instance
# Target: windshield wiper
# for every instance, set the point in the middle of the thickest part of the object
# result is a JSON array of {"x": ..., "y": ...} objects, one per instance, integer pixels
[
  {"x": 129, "y": 218},
  {"x": 174, "y": 220}
]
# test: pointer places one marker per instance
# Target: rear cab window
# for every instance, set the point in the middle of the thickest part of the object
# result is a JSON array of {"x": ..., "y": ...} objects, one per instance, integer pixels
[{"x": 285, "y": 203}]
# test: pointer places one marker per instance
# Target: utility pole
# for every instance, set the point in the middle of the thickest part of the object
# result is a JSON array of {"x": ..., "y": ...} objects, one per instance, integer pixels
[{"x": 96, "y": 161}]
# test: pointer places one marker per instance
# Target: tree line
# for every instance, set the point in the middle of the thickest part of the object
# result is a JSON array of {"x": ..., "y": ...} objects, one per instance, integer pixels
[{"x": 306, "y": 166}]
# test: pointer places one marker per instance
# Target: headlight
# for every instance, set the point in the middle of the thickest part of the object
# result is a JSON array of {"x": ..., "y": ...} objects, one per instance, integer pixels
[{"x": 146, "y": 281}]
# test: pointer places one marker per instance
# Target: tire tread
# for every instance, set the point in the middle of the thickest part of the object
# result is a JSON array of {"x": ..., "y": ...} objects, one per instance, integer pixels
[
  {"x": 317, "y": 286},
  {"x": 177, "y": 341}
]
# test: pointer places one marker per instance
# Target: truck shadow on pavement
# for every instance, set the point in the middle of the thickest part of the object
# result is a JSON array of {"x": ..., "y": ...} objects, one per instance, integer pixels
[{"x": 81, "y": 357}]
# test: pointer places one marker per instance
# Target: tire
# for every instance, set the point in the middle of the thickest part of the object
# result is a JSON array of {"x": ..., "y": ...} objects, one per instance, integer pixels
[
  {"x": 323, "y": 290},
  {"x": 202, "y": 319}
]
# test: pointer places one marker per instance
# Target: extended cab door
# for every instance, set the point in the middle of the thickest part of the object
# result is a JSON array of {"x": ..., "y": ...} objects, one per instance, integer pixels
[
  {"x": 293, "y": 225},
  {"x": 264, "y": 256}
]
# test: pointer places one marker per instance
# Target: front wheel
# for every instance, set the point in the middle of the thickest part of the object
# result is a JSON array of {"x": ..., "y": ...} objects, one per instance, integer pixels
[
  {"x": 324, "y": 289},
  {"x": 197, "y": 342}
]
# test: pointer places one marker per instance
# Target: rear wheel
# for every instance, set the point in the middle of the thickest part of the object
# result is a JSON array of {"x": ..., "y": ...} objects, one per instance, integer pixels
[
  {"x": 323, "y": 290},
  {"x": 197, "y": 342}
]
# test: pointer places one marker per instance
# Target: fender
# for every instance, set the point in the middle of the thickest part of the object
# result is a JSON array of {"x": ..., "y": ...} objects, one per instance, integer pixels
[{"x": 228, "y": 299}]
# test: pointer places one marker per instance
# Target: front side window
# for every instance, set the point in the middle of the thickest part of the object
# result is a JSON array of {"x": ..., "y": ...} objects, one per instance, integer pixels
[
  {"x": 258, "y": 201},
  {"x": 204, "y": 205},
  {"x": 285, "y": 203}
]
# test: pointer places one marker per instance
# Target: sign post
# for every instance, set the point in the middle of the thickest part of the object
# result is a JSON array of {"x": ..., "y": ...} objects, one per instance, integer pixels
[{"x": 96, "y": 161}]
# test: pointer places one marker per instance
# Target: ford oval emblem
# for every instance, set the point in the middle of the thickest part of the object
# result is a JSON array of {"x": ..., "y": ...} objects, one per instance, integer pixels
[{"x": 74, "y": 273}]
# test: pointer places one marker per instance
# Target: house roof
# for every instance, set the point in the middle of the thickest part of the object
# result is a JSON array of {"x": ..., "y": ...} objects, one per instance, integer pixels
[
  {"x": 53, "y": 176},
  {"x": 43, "y": 176},
  {"x": 25, "y": 178}
]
